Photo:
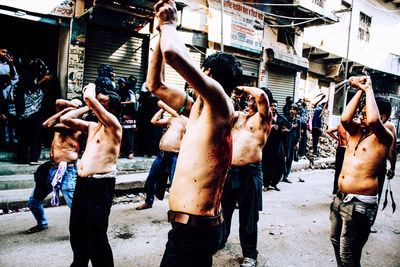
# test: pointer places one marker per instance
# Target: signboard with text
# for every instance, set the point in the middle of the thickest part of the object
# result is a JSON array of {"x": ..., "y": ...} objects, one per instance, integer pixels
[{"x": 243, "y": 25}]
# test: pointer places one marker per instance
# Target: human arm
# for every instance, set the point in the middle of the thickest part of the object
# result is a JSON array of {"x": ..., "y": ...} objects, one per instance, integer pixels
[
  {"x": 331, "y": 133},
  {"x": 132, "y": 99},
  {"x": 104, "y": 116},
  {"x": 347, "y": 116},
  {"x": 174, "y": 97},
  {"x": 63, "y": 103},
  {"x": 373, "y": 120},
  {"x": 158, "y": 120},
  {"x": 71, "y": 120},
  {"x": 175, "y": 54},
  {"x": 53, "y": 123},
  {"x": 261, "y": 101},
  {"x": 168, "y": 109},
  {"x": 392, "y": 151}
]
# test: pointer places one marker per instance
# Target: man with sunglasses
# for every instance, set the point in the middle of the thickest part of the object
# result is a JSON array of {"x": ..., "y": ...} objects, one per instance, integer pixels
[{"x": 356, "y": 202}]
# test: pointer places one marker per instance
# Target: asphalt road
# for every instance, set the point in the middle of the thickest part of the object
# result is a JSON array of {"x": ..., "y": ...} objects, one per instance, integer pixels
[{"x": 293, "y": 231}]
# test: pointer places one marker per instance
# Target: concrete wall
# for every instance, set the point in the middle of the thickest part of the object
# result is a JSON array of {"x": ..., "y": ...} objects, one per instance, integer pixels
[{"x": 381, "y": 52}]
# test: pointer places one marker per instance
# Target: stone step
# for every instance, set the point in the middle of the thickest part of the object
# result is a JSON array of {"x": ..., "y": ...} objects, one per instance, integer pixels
[
  {"x": 11, "y": 156},
  {"x": 15, "y": 199},
  {"x": 124, "y": 166}
]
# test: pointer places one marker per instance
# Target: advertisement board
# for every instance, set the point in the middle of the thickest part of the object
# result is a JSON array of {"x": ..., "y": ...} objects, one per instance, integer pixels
[{"x": 243, "y": 25}]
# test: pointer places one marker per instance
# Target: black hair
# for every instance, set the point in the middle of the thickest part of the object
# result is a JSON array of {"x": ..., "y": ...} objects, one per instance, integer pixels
[
  {"x": 105, "y": 70},
  {"x": 384, "y": 106},
  {"x": 115, "y": 101},
  {"x": 294, "y": 106},
  {"x": 269, "y": 94},
  {"x": 38, "y": 68},
  {"x": 225, "y": 69},
  {"x": 274, "y": 101},
  {"x": 103, "y": 82},
  {"x": 288, "y": 98}
]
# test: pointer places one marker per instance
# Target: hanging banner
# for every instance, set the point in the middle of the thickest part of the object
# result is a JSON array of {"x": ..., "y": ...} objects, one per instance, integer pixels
[{"x": 243, "y": 25}]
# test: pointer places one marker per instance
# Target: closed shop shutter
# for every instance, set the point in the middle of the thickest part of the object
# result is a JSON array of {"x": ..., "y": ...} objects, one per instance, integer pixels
[
  {"x": 250, "y": 67},
  {"x": 126, "y": 53},
  {"x": 281, "y": 83},
  {"x": 173, "y": 78}
]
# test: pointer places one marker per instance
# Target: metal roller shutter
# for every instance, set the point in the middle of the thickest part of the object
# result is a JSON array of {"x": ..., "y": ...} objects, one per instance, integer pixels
[
  {"x": 250, "y": 67},
  {"x": 126, "y": 54},
  {"x": 281, "y": 83},
  {"x": 173, "y": 78}
]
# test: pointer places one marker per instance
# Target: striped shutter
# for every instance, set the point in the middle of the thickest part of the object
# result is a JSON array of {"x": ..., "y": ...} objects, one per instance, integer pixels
[
  {"x": 173, "y": 78},
  {"x": 126, "y": 53},
  {"x": 281, "y": 82},
  {"x": 250, "y": 67}
]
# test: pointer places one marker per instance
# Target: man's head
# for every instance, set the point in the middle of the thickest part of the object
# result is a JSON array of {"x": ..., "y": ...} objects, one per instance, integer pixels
[
  {"x": 122, "y": 83},
  {"x": 269, "y": 94},
  {"x": 274, "y": 105},
  {"x": 289, "y": 100},
  {"x": 3, "y": 54},
  {"x": 105, "y": 70},
  {"x": 225, "y": 69},
  {"x": 384, "y": 107},
  {"x": 38, "y": 68},
  {"x": 293, "y": 110},
  {"x": 110, "y": 101}
]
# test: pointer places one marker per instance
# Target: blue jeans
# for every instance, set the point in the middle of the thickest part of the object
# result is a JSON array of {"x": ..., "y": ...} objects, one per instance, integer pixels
[
  {"x": 162, "y": 168},
  {"x": 350, "y": 227},
  {"x": 39, "y": 193}
]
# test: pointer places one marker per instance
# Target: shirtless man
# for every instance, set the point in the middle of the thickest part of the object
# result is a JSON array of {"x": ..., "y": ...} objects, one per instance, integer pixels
[
  {"x": 96, "y": 177},
  {"x": 206, "y": 149},
  {"x": 342, "y": 137},
  {"x": 355, "y": 204},
  {"x": 244, "y": 180},
  {"x": 62, "y": 165},
  {"x": 165, "y": 162}
]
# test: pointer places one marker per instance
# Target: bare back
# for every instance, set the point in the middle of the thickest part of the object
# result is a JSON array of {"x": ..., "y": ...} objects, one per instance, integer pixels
[
  {"x": 102, "y": 150},
  {"x": 343, "y": 135},
  {"x": 65, "y": 146},
  {"x": 249, "y": 136},
  {"x": 362, "y": 162},
  {"x": 172, "y": 138},
  {"x": 203, "y": 162}
]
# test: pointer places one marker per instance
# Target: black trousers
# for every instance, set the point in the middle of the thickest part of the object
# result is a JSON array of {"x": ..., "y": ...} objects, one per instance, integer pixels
[
  {"x": 28, "y": 133},
  {"x": 316, "y": 133},
  {"x": 89, "y": 221}
]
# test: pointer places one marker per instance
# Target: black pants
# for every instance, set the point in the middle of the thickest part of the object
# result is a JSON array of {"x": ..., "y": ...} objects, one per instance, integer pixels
[
  {"x": 191, "y": 246},
  {"x": 316, "y": 133},
  {"x": 340, "y": 150},
  {"x": 271, "y": 179},
  {"x": 303, "y": 142},
  {"x": 28, "y": 132},
  {"x": 89, "y": 221},
  {"x": 127, "y": 142},
  {"x": 248, "y": 194}
]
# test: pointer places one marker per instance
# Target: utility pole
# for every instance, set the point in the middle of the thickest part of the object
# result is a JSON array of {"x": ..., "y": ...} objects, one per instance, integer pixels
[
  {"x": 345, "y": 90},
  {"x": 222, "y": 25}
]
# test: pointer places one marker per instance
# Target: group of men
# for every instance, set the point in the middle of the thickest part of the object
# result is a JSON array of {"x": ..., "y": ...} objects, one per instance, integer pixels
[{"x": 218, "y": 164}]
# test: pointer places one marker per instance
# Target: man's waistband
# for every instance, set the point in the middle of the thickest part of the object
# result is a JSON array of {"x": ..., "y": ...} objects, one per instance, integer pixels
[
  {"x": 363, "y": 198},
  {"x": 71, "y": 163},
  {"x": 195, "y": 220},
  {"x": 162, "y": 152},
  {"x": 103, "y": 175}
]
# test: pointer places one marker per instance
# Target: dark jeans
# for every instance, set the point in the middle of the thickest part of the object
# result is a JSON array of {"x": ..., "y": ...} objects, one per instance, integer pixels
[
  {"x": 127, "y": 142},
  {"x": 340, "y": 150},
  {"x": 162, "y": 168},
  {"x": 89, "y": 221},
  {"x": 316, "y": 133},
  {"x": 244, "y": 185},
  {"x": 271, "y": 179},
  {"x": 350, "y": 227},
  {"x": 28, "y": 132},
  {"x": 191, "y": 246},
  {"x": 303, "y": 142}
]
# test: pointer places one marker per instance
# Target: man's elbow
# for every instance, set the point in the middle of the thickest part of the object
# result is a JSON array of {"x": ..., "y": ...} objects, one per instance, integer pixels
[{"x": 170, "y": 56}]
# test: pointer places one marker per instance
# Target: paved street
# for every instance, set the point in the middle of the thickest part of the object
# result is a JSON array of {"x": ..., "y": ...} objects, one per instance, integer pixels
[{"x": 293, "y": 231}]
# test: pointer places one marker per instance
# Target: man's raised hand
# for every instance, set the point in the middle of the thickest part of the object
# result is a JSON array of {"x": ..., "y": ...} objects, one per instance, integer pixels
[
  {"x": 361, "y": 82},
  {"x": 166, "y": 13}
]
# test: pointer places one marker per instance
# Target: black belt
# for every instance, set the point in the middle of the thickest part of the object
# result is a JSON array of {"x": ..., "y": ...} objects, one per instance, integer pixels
[{"x": 195, "y": 220}]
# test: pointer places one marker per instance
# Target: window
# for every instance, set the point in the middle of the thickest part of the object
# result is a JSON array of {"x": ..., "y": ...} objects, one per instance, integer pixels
[
  {"x": 365, "y": 25},
  {"x": 286, "y": 36}
]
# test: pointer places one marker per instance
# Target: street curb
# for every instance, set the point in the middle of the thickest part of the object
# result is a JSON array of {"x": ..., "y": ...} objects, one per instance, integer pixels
[{"x": 18, "y": 198}]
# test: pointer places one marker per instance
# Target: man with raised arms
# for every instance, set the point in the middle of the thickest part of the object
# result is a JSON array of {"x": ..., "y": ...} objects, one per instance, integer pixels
[
  {"x": 244, "y": 181},
  {"x": 165, "y": 162},
  {"x": 206, "y": 149},
  {"x": 96, "y": 177},
  {"x": 355, "y": 204},
  {"x": 62, "y": 165}
]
